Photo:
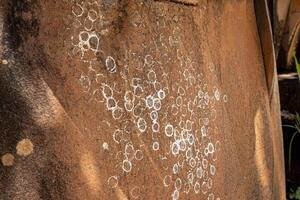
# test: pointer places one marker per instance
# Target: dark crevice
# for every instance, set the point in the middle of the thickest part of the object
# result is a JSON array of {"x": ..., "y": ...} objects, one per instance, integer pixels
[{"x": 181, "y": 2}]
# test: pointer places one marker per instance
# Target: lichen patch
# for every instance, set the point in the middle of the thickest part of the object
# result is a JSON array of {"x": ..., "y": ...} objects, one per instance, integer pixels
[
  {"x": 8, "y": 160},
  {"x": 24, "y": 147}
]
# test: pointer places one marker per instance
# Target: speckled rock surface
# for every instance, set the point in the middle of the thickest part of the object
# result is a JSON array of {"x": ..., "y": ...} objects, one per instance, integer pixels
[{"x": 108, "y": 99}]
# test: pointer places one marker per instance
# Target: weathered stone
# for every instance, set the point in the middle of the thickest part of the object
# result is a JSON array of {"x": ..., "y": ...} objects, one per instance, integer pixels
[{"x": 139, "y": 99}]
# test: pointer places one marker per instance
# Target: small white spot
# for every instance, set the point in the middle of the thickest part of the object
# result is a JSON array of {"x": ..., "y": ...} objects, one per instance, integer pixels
[
  {"x": 212, "y": 170},
  {"x": 225, "y": 98},
  {"x": 4, "y": 62},
  {"x": 217, "y": 94},
  {"x": 105, "y": 146},
  {"x": 203, "y": 131}
]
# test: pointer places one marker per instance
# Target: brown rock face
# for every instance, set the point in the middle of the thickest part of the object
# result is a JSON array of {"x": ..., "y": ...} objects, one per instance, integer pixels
[{"x": 134, "y": 99}]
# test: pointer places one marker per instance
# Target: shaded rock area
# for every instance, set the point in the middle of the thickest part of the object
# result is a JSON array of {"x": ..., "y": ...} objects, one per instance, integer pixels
[{"x": 289, "y": 88}]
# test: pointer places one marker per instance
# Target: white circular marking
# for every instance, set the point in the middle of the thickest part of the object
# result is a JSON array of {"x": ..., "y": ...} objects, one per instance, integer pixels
[
  {"x": 175, "y": 148},
  {"x": 151, "y": 76},
  {"x": 161, "y": 94},
  {"x": 107, "y": 91},
  {"x": 175, "y": 168},
  {"x": 111, "y": 103},
  {"x": 92, "y": 15},
  {"x": 77, "y": 10},
  {"x": 197, "y": 187},
  {"x": 178, "y": 184},
  {"x": 204, "y": 163},
  {"x": 111, "y": 64},
  {"x": 191, "y": 139},
  {"x": 189, "y": 153},
  {"x": 127, "y": 166},
  {"x": 154, "y": 115},
  {"x": 182, "y": 145},
  {"x": 167, "y": 180},
  {"x": 148, "y": 60},
  {"x": 117, "y": 113},
  {"x": 118, "y": 136},
  {"x": 128, "y": 106},
  {"x": 190, "y": 177},
  {"x": 156, "y": 103},
  {"x": 169, "y": 130},
  {"x": 129, "y": 96},
  {"x": 199, "y": 172},
  {"x": 211, "y": 196},
  {"x": 155, "y": 127},
  {"x": 175, "y": 195},
  {"x": 135, "y": 192},
  {"x": 142, "y": 125},
  {"x": 155, "y": 146},
  {"x": 192, "y": 162},
  {"x": 94, "y": 42},
  {"x": 138, "y": 155},
  {"x": 210, "y": 147},
  {"x": 113, "y": 181},
  {"x": 149, "y": 101},
  {"x": 187, "y": 188}
]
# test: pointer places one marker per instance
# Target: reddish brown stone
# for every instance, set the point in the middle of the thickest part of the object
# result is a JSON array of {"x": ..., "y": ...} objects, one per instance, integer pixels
[{"x": 203, "y": 122}]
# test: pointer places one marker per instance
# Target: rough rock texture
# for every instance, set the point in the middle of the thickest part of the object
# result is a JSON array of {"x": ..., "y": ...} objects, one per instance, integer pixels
[{"x": 136, "y": 100}]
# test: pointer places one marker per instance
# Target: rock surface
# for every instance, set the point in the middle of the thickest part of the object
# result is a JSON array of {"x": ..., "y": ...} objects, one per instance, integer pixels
[{"x": 136, "y": 99}]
